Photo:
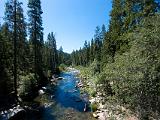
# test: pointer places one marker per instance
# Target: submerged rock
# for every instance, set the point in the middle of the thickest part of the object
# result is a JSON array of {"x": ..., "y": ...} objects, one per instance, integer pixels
[{"x": 52, "y": 96}]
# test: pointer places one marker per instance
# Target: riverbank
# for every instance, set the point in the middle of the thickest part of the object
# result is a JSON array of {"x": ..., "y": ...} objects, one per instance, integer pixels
[
  {"x": 30, "y": 108},
  {"x": 101, "y": 108}
]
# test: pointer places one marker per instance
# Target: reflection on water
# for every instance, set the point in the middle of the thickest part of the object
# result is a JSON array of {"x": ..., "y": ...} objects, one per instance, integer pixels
[{"x": 68, "y": 103}]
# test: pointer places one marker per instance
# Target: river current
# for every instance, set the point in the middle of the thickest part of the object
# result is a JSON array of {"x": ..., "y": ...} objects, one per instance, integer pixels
[{"x": 68, "y": 103}]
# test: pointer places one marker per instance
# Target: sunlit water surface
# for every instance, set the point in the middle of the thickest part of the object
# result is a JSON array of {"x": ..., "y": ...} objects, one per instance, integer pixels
[{"x": 68, "y": 103}]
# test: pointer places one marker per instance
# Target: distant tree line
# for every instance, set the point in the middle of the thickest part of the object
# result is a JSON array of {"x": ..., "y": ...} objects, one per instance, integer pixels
[
  {"x": 126, "y": 57},
  {"x": 91, "y": 50}
]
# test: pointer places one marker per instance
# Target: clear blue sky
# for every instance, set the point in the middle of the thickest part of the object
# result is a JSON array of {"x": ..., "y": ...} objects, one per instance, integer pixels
[{"x": 73, "y": 21}]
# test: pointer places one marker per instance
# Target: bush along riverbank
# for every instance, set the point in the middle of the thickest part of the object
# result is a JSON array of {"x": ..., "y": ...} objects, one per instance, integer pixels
[
  {"x": 32, "y": 99},
  {"x": 102, "y": 108}
]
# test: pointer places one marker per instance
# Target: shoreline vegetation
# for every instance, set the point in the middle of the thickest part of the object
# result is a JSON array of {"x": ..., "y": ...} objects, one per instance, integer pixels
[
  {"x": 32, "y": 109},
  {"x": 100, "y": 109}
]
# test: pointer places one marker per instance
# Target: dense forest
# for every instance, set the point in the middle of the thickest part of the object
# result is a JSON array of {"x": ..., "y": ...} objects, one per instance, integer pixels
[
  {"x": 26, "y": 60},
  {"x": 123, "y": 61}
]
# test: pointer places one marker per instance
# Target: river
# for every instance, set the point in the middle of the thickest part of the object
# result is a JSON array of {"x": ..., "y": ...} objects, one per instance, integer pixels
[{"x": 68, "y": 103}]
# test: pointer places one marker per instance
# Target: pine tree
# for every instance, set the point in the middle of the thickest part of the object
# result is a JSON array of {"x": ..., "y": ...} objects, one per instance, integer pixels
[
  {"x": 61, "y": 55},
  {"x": 115, "y": 26},
  {"x": 11, "y": 22},
  {"x": 88, "y": 53},
  {"x": 53, "y": 55},
  {"x": 135, "y": 11},
  {"x": 149, "y": 7},
  {"x": 6, "y": 76},
  {"x": 98, "y": 44},
  {"x": 36, "y": 35},
  {"x": 73, "y": 58},
  {"x": 85, "y": 54},
  {"x": 103, "y": 33},
  {"x": 92, "y": 51},
  {"x": 106, "y": 53},
  {"x": 22, "y": 43}
]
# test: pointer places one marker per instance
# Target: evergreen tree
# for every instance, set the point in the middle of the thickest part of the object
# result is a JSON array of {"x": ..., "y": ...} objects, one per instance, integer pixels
[
  {"x": 53, "y": 55},
  {"x": 85, "y": 54},
  {"x": 61, "y": 55},
  {"x": 135, "y": 11},
  {"x": 106, "y": 53},
  {"x": 103, "y": 33},
  {"x": 149, "y": 7},
  {"x": 36, "y": 35},
  {"x": 6, "y": 72},
  {"x": 22, "y": 44},
  {"x": 11, "y": 22},
  {"x": 9, "y": 34},
  {"x": 92, "y": 51},
  {"x": 115, "y": 29},
  {"x": 98, "y": 44},
  {"x": 88, "y": 53}
]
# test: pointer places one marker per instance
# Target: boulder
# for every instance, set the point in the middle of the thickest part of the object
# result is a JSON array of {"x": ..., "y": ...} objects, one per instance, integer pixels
[
  {"x": 44, "y": 88},
  {"x": 41, "y": 92},
  {"x": 18, "y": 114},
  {"x": 95, "y": 115},
  {"x": 101, "y": 106},
  {"x": 93, "y": 100},
  {"x": 15, "y": 113},
  {"x": 102, "y": 116},
  {"x": 60, "y": 78}
]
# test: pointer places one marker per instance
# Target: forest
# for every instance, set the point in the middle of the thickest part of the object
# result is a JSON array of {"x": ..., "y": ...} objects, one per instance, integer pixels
[
  {"x": 27, "y": 61},
  {"x": 122, "y": 62}
]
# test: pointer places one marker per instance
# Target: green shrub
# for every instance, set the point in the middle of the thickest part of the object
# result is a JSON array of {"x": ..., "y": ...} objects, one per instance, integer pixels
[
  {"x": 94, "y": 107},
  {"x": 104, "y": 85},
  {"x": 62, "y": 67},
  {"x": 49, "y": 73},
  {"x": 27, "y": 85},
  {"x": 93, "y": 93},
  {"x": 135, "y": 74}
]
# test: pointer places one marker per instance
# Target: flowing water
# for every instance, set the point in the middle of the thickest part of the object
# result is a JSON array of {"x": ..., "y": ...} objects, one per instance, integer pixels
[{"x": 67, "y": 103}]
